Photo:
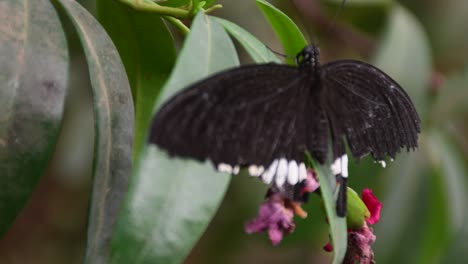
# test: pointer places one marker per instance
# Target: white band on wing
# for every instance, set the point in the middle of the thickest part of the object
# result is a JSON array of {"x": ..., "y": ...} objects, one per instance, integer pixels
[{"x": 340, "y": 166}]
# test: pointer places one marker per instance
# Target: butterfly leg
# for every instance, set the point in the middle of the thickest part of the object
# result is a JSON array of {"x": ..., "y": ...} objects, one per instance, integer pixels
[{"x": 340, "y": 170}]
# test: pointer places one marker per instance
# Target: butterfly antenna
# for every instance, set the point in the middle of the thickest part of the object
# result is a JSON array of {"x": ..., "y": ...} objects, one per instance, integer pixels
[
  {"x": 278, "y": 53},
  {"x": 333, "y": 21}
]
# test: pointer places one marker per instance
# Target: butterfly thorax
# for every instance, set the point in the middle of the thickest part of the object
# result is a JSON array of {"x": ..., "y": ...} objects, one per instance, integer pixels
[{"x": 308, "y": 60}]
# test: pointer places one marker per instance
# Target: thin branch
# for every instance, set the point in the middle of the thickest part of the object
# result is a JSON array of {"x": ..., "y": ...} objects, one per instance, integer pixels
[
  {"x": 152, "y": 7},
  {"x": 178, "y": 24}
]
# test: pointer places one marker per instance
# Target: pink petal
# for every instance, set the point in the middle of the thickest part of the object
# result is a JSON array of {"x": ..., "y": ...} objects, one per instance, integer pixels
[
  {"x": 273, "y": 217},
  {"x": 311, "y": 181},
  {"x": 275, "y": 235},
  {"x": 373, "y": 205},
  {"x": 359, "y": 246}
]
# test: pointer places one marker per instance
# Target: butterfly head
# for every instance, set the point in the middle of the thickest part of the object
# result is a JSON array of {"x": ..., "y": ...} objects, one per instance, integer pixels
[{"x": 308, "y": 57}]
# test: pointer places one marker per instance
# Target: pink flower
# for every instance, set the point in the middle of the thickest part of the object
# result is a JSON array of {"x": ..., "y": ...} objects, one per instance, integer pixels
[
  {"x": 360, "y": 240},
  {"x": 311, "y": 184},
  {"x": 308, "y": 185},
  {"x": 359, "y": 246},
  {"x": 273, "y": 217},
  {"x": 373, "y": 205},
  {"x": 277, "y": 211}
]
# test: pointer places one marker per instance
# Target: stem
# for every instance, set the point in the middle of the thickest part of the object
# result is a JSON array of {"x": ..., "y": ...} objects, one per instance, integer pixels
[
  {"x": 213, "y": 8},
  {"x": 152, "y": 7},
  {"x": 170, "y": 14},
  {"x": 178, "y": 24}
]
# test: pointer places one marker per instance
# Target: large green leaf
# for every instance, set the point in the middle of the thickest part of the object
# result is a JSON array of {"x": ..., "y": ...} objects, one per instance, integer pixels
[
  {"x": 366, "y": 15},
  {"x": 338, "y": 232},
  {"x": 450, "y": 102},
  {"x": 431, "y": 204},
  {"x": 147, "y": 51},
  {"x": 338, "y": 229},
  {"x": 435, "y": 221},
  {"x": 457, "y": 249},
  {"x": 403, "y": 178},
  {"x": 288, "y": 32},
  {"x": 171, "y": 201},
  {"x": 113, "y": 115},
  {"x": 256, "y": 49},
  {"x": 453, "y": 173},
  {"x": 404, "y": 54},
  {"x": 33, "y": 79}
]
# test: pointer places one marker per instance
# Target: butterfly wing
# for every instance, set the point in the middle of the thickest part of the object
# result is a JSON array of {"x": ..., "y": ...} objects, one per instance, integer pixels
[
  {"x": 248, "y": 115},
  {"x": 368, "y": 109}
]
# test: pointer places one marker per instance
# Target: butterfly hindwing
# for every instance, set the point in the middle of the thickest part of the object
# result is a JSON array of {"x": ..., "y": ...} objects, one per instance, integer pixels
[
  {"x": 368, "y": 109},
  {"x": 248, "y": 115}
]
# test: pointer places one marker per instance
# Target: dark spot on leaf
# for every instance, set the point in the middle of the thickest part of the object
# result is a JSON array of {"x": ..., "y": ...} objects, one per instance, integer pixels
[
  {"x": 122, "y": 99},
  {"x": 50, "y": 86}
]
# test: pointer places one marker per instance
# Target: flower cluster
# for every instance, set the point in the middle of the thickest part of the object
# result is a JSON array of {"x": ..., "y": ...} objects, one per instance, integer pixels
[
  {"x": 360, "y": 239},
  {"x": 277, "y": 211},
  {"x": 281, "y": 205}
]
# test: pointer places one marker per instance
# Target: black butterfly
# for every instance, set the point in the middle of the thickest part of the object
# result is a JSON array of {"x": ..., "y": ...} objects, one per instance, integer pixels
[{"x": 265, "y": 116}]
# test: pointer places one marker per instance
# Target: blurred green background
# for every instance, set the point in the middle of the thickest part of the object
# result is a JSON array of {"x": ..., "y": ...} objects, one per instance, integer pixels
[{"x": 425, "y": 193}]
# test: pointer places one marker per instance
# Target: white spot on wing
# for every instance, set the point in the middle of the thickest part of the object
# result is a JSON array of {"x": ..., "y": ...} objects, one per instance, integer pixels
[
  {"x": 335, "y": 167},
  {"x": 223, "y": 167},
  {"x": 268, "y": 175},
  {"x": 293, "y": 172},
  {"x": 340, "y": 166},
  {"x": 344, "y": 165},
  {"x": 253, "y": 170},
  {"x": 282, "y": 172},
  {"x": 260, "y": 170},
  {"x": 382, "y": 163},
  {"x": 302, "y": 172},
  {"x": 236, "y": 170}
]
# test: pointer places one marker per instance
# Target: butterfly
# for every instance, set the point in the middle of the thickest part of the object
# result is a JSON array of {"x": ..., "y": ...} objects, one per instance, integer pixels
[{"x": 264, "y": 117}]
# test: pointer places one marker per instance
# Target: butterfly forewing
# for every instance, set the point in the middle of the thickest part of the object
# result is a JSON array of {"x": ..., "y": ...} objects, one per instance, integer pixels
[
  {"x": 368, "y": 110},
  {"x": 248, "y": 115}
]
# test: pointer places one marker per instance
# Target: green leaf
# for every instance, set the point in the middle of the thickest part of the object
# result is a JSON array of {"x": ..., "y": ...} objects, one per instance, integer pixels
[
  {"x": 448, "y": 38},
  {"x": 338, "y": 229},
  {"x": 453, "y": 173},
  {"x": 171, "y": 201},
  {"x": 405, "y": 46},
  {"x": 403, "y": 178},
  {"x": 113, "y": 115},
  {"x": 365, "y": 15},
  {"x": 450, "y": 102},
  {"x": 33, "y": 80},
  {"x": 148, "y": 53},
  {"x": 256, "y": 49},
  {"x": 288, "y": 32},
  {"x": 439, "y": 207},
  {"x": 457, "y": 249},
  {"x": 435, "y": 221}
]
